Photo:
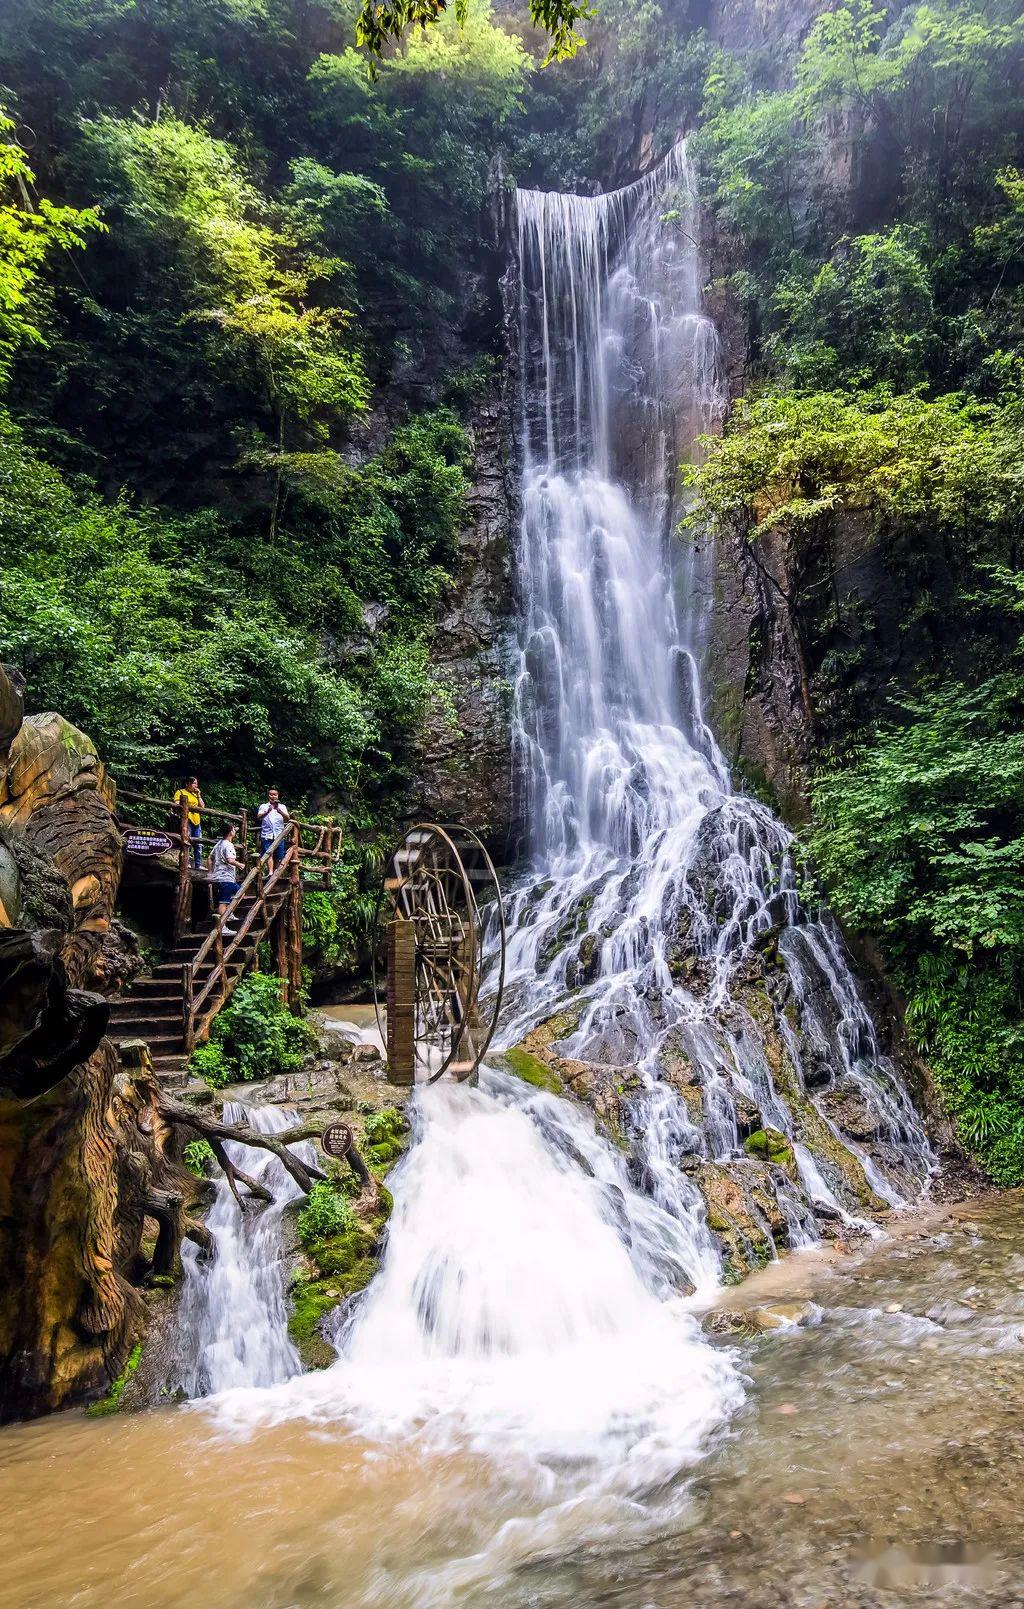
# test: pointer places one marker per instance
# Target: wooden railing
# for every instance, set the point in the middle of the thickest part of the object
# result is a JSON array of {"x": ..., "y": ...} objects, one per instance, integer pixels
[
  {"x": 318, "y": 846},
  {"x": 277, "y": 869}
]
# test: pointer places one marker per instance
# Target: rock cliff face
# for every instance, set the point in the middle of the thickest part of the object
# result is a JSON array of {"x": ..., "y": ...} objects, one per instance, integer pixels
[
  {"x": 759, "y": 697},
  {"x": 463, "y": 762},
  {"x": 78, "y": 1133}
]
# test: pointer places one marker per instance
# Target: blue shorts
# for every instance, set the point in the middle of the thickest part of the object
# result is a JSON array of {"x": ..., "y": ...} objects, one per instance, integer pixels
[{"x": 225, "y": 892}]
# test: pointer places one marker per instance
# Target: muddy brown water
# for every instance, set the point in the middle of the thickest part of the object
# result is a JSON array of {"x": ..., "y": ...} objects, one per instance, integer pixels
[{"x": 878, "y": 1459}]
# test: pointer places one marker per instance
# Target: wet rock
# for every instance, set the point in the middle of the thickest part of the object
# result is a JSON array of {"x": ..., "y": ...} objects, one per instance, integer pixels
[
  {"x": 757, "y": 1320},
  {"x": 770, "y": 1146},
  {"x": 197, "y": 1093},
  {"x": 588, "y": 959},
  {"x": 748, "y": 1117},
  {"x": 693, "y": 1099},
  {"x": 849, "y": 1111},
  {"x": 781, "y": 1315},
  {"x": 816, "y": 1068},
  {"x": 742, "y": 1212},
  {"x": 531, "y": 1069},
  {"x": 843, "y": 1170},
  {"x": 675, "y": 1064}
]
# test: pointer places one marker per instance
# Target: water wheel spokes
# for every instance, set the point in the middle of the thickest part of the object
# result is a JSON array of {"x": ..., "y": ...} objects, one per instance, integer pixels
[{"x": 440, "y": 903}]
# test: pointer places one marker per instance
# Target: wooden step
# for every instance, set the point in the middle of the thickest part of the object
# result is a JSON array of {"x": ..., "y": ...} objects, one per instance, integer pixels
[
  {"x": 145, "y": 1027},
  {"x": 151, "y": 1001}
]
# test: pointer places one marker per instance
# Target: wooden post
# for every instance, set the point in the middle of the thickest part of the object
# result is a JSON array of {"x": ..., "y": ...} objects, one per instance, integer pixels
[
  {"x": 401, "y": 1002},
  {"x": 294, "y": 931},
  {"x": 183, "y": 901},
  {"x": 218, "y": 946},
  {"x": 188, "y": 1032},
  {"x": 243, "y": 833},
  {"x": 279, "y": 938}
]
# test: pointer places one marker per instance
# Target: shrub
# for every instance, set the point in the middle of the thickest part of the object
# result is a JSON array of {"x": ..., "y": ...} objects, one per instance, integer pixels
[
  {"x": 325, "y": 1213},
  {"x": 255, "y": 1036},
  {"x": 198, "y": 1155},
  {"x": 210, "y": 1063}
]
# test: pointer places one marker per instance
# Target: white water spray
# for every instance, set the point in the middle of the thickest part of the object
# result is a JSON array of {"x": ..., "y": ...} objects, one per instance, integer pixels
[
  {"x": 234, "y": 1322},
  {"x": 525, "y": 1309}
]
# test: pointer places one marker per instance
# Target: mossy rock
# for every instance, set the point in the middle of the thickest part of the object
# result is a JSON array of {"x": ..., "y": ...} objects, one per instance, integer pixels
[
  {"x": 533, "y": 1071},
  {"x": 692, "y": 1097},
  {"x": 111, "y": 1403},
  {"x": 768, "y": 1145},
  {"x": 311, "y": 1301},
  {"x": 336, "y": 1268},
  {"x": 735, "y": 1218},
  {"x": 809, "y": 1126}
]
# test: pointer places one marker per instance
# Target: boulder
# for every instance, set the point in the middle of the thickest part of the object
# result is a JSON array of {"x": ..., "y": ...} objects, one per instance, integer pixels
[{"x": 768, "y": 1145}]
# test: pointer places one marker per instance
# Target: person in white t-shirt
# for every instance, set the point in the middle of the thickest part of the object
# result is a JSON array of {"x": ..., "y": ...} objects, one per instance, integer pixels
[{"x": 272, "y": 815}]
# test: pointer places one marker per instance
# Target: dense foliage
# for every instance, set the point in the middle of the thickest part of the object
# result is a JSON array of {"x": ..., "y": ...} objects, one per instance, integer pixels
[
  {"x": 255, "y": 1036},
  {"x": 240, "y": 282},
  {"x": 871, "y": 198}
]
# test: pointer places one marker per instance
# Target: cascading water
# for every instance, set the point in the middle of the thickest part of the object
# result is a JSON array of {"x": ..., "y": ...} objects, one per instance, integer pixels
[
  {"x": 234, "y": 1320},
  {"x": 527, "y": 1312},
  {"x": 656, "y": 889}
]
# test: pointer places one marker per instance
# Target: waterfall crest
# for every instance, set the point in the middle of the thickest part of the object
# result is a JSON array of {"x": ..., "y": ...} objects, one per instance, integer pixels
[{"x": 662, "y": 914}]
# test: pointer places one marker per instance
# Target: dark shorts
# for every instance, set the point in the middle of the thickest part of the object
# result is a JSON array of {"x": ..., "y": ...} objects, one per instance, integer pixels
[{"x": 224, "y": 893}]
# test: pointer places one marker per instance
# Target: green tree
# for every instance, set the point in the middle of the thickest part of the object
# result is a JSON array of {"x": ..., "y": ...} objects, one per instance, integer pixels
[
  {"x": 31, "y": 232},
  {"x": 866, "y": 315}
]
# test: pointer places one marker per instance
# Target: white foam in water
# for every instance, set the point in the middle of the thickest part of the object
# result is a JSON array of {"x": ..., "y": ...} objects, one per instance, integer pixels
[
  {"x": 509, "y": 1315},
  {"x": 234, "y": 1321}
]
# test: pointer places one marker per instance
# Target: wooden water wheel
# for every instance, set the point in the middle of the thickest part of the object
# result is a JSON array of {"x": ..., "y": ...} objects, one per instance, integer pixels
[{"x": 439, "y": 921}]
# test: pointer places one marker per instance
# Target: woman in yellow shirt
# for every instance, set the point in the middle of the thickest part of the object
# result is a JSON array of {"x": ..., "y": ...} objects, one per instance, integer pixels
[{"x": 190, "y": 794}]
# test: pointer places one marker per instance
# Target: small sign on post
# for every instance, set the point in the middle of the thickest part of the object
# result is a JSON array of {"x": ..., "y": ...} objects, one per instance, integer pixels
[
  {"x": 143, "y": 843},
  {"x": 337, "y": 1140}
]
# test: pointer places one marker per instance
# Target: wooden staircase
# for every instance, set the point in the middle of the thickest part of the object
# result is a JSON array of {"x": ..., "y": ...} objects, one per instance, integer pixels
[{"x": 173, "y": 1008}]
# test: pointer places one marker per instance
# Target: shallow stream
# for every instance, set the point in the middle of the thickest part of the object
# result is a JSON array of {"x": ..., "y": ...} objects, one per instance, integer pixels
[{"x": 890, "y": 1415}]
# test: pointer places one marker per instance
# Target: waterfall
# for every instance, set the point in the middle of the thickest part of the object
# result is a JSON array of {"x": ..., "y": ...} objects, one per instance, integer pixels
[
  {"x": 531, "y": 1304},
  {"x": 655, "y": 886},
  {"x": 527, "y": 1308},
  {"x": 234, "y": 1323}
]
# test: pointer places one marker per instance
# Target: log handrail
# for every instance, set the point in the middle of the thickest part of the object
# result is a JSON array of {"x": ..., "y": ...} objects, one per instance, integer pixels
[
  {"x": 202, "y": 998},
  {"x": 256, "y": 881},
  {"x": 237, "y": 816},
  {"x": 325, "y": 851}
]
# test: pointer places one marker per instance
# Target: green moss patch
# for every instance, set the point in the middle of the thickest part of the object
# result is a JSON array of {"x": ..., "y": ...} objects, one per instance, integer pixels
[
  {"x": 533, "y": 1071},
  {"x": 111, "y": 1403},
  {"x": 336, "y": 1266},
  {"x": 768, "y": 1145}
]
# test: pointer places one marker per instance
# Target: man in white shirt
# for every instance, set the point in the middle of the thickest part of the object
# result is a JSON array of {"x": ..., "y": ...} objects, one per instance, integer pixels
[{"x": 272, "y": 816}]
